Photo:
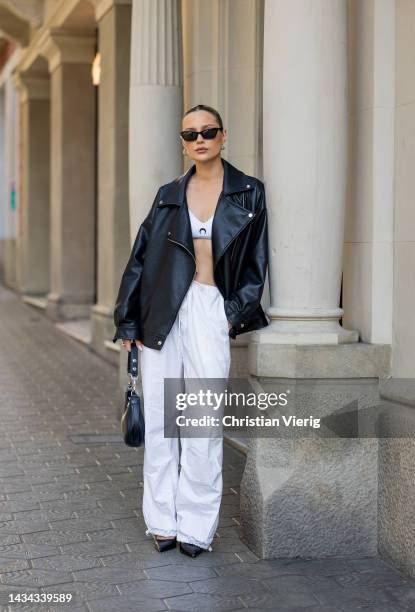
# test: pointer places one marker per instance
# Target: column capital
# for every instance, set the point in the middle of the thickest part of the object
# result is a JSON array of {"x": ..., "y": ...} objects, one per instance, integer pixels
[
  {"x": 103, "y": 6},
  {"x": 61, "y": 46},
  {"x": 31, "y": 87}
]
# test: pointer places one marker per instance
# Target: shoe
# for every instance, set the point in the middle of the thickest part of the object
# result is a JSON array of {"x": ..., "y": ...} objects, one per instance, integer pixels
[
  {"x": 192, "y": 550},
  {"x": 163, "y": 545}
]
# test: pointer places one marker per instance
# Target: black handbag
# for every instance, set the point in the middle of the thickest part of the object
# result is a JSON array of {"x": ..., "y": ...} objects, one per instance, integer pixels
[{"x": 132, "y": 420}]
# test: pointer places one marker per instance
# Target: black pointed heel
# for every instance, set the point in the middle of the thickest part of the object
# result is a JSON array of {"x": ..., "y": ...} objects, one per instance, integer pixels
[
  {"x": 163, "y": 545},
  {"x": 190, "y": 549}
]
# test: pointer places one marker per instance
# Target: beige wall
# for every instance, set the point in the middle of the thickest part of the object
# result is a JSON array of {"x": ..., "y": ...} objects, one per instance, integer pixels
[
  {"x": 403, "y": 361},
  {"x": 379, "y": 249},
  {"x": 368, "y": 247}
]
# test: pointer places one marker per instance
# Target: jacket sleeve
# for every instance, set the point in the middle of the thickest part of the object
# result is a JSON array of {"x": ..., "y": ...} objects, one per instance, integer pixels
[
  {"x": 246, "y": 299},
  {"x": 126, "y": 314}
]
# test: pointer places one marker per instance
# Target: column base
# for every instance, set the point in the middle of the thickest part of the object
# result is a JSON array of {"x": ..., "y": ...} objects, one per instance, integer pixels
[
  {"x": 66, "y": 308},
  {"x": 357, "y": 360},
  {"x": 302, "y": 331},
  {"x": 310, "y": 498},
  {"x": 102, "y": 329},
  {"x": 315, "y": 496}
]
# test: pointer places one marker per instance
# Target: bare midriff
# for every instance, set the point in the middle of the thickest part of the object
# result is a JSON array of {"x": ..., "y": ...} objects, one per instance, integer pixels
[
  {"x": 202, "y": 201},
  {"x": 204, "y": 261}
]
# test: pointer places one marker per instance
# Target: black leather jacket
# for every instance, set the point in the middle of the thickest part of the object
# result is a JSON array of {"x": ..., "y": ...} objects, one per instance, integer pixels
[{"x": 162, "y": 263}]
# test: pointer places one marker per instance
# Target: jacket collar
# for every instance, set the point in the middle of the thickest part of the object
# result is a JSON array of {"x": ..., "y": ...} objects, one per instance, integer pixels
[{"x": 234, "y": 180}]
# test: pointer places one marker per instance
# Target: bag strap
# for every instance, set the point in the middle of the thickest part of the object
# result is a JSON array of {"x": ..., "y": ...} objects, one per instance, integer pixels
[{"x": 133, "y": 360}]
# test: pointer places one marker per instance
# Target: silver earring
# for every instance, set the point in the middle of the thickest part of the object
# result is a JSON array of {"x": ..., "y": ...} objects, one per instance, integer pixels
[
  {"x": 222, "y": 147},
  {"x": 184, "y": 151}
]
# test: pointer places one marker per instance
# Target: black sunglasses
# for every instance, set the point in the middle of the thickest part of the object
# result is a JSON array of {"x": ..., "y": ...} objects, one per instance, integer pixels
[{"x": 207, "y": 134}]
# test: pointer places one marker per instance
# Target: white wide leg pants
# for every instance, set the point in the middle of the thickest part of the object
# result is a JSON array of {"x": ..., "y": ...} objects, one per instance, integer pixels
[{"x": 184, "y": 504}]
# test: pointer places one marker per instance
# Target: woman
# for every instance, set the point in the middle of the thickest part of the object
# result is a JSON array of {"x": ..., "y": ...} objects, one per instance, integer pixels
[{"x": 194, "y": 279}]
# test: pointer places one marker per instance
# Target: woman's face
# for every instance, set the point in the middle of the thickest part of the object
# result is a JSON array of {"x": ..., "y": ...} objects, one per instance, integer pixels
[{"x": 202, "y": 149}]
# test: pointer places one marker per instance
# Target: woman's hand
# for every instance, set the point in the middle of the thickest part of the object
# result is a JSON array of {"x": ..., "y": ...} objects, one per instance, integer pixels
[{"x": 127, "y": 344}]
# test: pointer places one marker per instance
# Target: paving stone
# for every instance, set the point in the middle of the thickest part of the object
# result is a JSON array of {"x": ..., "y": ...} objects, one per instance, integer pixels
[
  {"x": 178, "y": 573},
  {"x": 210, "y": 560},
  {"x": 81, "y": 524},
  {"x": 124, "y": 604},
  {"x": 231, "y": 585},
  {"x": 92, "y": 549},
  {"x": 246, "y": 556},
  {"x": 117, "y": 501},
  {"x": 109, "y": 575},
  {"x": 31, "y": 607},
  {"x": 28, "y": 527},
  {"x": 368, "y": 563},
  {"x": 34, "y": 577},
  {"x": 313, "y": 567},
  {"x": 9, "y": 565},
  {"x": 226, "y": 545},
  {"x": 26, "y": 551},
  {"x": 117, "y": 535},
  {"x": 404, "y": 594},
  {"x": 84, "y": 591},
  {"x": 154, "y": 588},
  {"x": 298, "y": 582},
  {"x": 65, "y": 563},
  {"x": 382, "y": 607},
  {"x": 356, "y": 596},
  {"x": 11, "y": 471},
  {"x": 88, "y": 502},
  {"x": 93, "y": 474},
  {"x": 260, "y": 569},
  {"x": 203, "y": 603},
  {"x": 137, "y": 561},
  {"x": 9, "y": 539},
  {"x": 279, "y": 600},
  {"x": 51, "y": 515},
  {"x": 15, "y": 487},
  {"x": 104, "y": 513},
  {"x": 379, "y": 577},
  {"x": 56, "y": 537}
]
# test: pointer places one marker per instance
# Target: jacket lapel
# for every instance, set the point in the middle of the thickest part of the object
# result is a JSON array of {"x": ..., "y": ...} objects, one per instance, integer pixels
[
  {"x": 230, "y": 217},
  {"x": 229, "y": 220}
]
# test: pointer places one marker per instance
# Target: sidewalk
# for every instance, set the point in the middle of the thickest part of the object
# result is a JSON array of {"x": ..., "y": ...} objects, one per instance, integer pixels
[{"x": 70, "y": 504}]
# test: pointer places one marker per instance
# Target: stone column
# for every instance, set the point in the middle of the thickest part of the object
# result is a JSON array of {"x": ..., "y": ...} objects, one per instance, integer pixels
[
  {"x": 155, "y": 151},
  {"x": 33, "y": 244},
  {"x": 222, "y": 66},
  {"x": 305, "y": 494},
  {"x": 305, "y": 168},
  {"x": 114, "y": 22},
  {"x": 72, "y": 289},
  {"x": 11, "y": 180}
]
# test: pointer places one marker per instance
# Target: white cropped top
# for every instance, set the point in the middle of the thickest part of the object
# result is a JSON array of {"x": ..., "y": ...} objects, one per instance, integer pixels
[{"x": 200, "y": 229}]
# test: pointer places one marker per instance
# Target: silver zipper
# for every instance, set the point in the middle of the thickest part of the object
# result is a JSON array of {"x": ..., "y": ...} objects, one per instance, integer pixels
[{"x": 186, "y": 249}]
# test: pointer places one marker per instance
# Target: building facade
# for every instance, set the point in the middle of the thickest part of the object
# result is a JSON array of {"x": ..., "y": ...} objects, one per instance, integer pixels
[{"x": 319, "y": 102}]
